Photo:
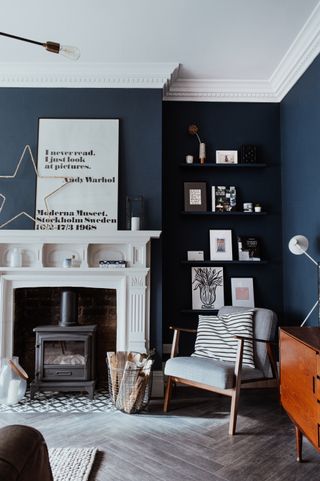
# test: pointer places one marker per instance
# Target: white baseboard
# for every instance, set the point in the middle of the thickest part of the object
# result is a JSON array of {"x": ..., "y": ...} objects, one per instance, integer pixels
[{"x": 158, "y": 384}]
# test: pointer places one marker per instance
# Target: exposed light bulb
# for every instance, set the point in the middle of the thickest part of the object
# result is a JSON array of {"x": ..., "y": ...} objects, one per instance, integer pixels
[{"x": 73, "y": 53}]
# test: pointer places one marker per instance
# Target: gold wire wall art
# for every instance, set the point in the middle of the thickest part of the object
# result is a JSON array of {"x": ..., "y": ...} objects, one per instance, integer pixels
[{"x": 3, "y": 199}]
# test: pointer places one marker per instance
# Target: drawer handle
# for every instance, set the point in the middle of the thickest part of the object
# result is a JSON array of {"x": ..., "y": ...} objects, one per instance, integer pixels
[
  {"x": 313, "y": 385},
  {"x": 63, "y": 373}
]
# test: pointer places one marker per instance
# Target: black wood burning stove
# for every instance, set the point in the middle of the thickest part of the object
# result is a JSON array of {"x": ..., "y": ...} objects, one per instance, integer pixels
[{"x": 65, "y": 354}]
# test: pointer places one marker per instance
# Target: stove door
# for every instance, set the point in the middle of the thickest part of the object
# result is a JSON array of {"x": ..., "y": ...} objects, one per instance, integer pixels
[{"x": 64, "y": 357}]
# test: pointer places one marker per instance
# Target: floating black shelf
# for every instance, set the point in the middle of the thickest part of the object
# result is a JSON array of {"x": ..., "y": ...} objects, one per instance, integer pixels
[
  {"x": 216, "y": 263},
  {"x": 222, "y": 166},
  {"x": 235, "y": 212}
]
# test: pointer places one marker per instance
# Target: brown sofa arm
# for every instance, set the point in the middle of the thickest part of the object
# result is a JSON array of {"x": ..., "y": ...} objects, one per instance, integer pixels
[{"x": 23, "y": 455}]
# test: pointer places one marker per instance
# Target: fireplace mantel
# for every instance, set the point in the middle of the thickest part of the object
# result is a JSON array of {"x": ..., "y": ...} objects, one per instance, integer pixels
[
  {"x": 42, "y": 254},
  {"x": 47, "y": 249}
]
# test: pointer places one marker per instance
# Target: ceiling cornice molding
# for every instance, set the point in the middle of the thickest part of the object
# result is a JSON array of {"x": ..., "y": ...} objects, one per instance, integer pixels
[
  {"x": 220, "y": 91},
  {"x": 295, "y": 62},
  {"x": 299, "y": 56},
  {"x": 90, "y": 75}
]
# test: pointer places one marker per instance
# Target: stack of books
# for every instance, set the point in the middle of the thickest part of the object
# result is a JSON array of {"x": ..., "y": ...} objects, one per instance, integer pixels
[{"x": 107, "y": 264}]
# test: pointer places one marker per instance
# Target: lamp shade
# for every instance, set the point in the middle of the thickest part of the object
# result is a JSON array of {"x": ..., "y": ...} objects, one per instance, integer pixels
[{"x": 298, "y": 244}]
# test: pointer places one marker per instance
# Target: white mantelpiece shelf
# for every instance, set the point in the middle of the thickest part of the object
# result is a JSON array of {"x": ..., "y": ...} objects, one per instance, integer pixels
[{"x": 48, "y": 249}]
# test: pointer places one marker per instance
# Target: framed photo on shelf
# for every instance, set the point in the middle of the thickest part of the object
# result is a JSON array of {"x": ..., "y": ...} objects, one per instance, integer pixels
[
  {"x": 195, "y": 196},
  {"x": 220, "y": 245},
  {"x": 242, "y": 291},
  {"x": 226, "y": 156},
  {"x": 207, "y": 288}
]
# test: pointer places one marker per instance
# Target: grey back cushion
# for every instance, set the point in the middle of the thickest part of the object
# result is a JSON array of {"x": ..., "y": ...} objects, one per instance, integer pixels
[{"x": 264, "y": 327}]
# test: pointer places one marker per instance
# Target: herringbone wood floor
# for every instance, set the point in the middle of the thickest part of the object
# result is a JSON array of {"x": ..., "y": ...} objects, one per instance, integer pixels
[{"x": 190, "y": 443}]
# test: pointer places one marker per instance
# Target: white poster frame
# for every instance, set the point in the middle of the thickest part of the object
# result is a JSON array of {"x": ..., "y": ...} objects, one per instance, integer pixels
[{"x": 77, "y": 184}]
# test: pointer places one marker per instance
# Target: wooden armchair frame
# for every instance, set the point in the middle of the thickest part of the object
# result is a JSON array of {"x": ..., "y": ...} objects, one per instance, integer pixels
[{"x": 233, "y": 392}]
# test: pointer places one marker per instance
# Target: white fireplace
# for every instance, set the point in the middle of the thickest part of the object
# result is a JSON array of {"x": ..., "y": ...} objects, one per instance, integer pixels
[{"x": 42, "y": 259}]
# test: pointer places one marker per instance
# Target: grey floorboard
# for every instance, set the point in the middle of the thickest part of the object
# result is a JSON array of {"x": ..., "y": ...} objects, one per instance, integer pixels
[{"x": 190, "y": 443}]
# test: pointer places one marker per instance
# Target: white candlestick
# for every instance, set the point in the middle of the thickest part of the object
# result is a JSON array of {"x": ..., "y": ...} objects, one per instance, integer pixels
[
  {"x": 135, "y": 223},
  {"x": 13, "y": 391}
]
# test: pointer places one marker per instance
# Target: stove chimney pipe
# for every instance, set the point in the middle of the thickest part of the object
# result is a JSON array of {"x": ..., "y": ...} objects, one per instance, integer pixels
[{"x": 69, "y": 307}]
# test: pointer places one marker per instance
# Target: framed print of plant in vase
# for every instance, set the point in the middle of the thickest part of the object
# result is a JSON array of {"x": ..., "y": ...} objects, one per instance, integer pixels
[{"x": 207, "y": 288}]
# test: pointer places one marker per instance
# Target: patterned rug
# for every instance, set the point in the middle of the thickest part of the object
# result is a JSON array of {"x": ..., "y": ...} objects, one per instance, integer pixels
[
  {"x": 54, "y": 402},
  {"x": 71, "y": 464}
]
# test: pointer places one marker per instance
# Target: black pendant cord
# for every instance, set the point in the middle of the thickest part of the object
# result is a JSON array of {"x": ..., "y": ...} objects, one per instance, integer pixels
[{"x": 22, "y": 39}]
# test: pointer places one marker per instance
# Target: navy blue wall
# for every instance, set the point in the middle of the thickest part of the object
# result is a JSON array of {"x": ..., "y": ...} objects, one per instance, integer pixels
[
  {"x": 300, "y": 122},
  {"x": 140, "y": 156},
  {"x": 221, "y": 126}
]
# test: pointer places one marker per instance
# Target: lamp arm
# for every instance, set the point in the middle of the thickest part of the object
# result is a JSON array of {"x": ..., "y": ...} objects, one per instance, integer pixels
[
  {"x": 3, "y": 34},
  {"x": 311, "y": 258},
  {"x": 309, "y": 314}
]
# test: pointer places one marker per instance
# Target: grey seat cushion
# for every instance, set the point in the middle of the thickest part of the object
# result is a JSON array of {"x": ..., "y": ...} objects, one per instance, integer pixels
[{"x": 208, "y": 371}]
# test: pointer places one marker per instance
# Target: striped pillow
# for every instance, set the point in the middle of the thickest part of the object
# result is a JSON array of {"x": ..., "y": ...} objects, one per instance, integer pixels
[{"x": 215, "y": 337}]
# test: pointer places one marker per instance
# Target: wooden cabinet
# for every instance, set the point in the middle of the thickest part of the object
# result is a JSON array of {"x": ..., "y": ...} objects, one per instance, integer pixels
[{"x": 300, "y": 381}]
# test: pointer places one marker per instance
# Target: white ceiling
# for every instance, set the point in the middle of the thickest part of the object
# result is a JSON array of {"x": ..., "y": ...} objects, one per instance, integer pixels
[{"x": 212, "y": 40}]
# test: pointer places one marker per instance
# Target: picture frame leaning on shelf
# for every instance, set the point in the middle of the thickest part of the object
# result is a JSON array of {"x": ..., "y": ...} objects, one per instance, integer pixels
[
  {"x": 220, "y": 245},
  {"x": 195, "y": 196}
]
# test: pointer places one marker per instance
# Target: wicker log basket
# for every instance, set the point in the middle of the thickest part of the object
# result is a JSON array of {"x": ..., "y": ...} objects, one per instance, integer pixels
[{"x": 130, "y": 380}]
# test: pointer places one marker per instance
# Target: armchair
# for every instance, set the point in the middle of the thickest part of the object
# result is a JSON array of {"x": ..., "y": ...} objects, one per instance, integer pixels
[{"x": 223, "y": 377}]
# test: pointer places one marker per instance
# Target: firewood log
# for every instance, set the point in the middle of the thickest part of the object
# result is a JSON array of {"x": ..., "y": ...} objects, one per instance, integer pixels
[{"x": 128, "y": 380}]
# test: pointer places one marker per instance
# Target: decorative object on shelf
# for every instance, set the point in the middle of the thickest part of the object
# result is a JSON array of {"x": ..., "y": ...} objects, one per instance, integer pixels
[
  {"x": 15, "y": 257},
  {"x": 46, "y": 196},
  {"x": 208, "y": 289},
  {"x": 67, "y": 262},
  {"x": 195, "y": 196},
  {"x": 257, "y": 207},
  {"x": 247, "y": 207},
  {"x": 298, "y": 245},
  {"x": 193, "y": 130},
  {"x": 223, "y": 198},
  {"x": 108, "y": 264},
  {"x": 195, "y": 255},
  {"x": 249, "y": 248},
  {"x": 226, "y": 156},
  {"x": 242, "y": 291},
  {"x": 135, "y": 212},
  {"x": 89, "y": 150},
  {"x": 248, "y": 154},
  {"x": 72, "y": 53},
  {"x": 220, "y": 245},
  {"x": 189, "y": 159},
  {"x": 13, "y": 381}
]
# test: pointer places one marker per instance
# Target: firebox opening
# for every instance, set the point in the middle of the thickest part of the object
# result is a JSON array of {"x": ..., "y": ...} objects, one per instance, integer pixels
[{"x": 42, "y": 306}]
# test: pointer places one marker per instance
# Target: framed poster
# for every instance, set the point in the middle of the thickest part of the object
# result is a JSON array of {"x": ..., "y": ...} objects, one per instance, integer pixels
[
  {"x": 220, "y": 245},
  {"x": 77, "y": 186},
  {"x": 242, "y": 291},
  {"x": 195, "y": 196},
  {"x": 207, "y": 288}
]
